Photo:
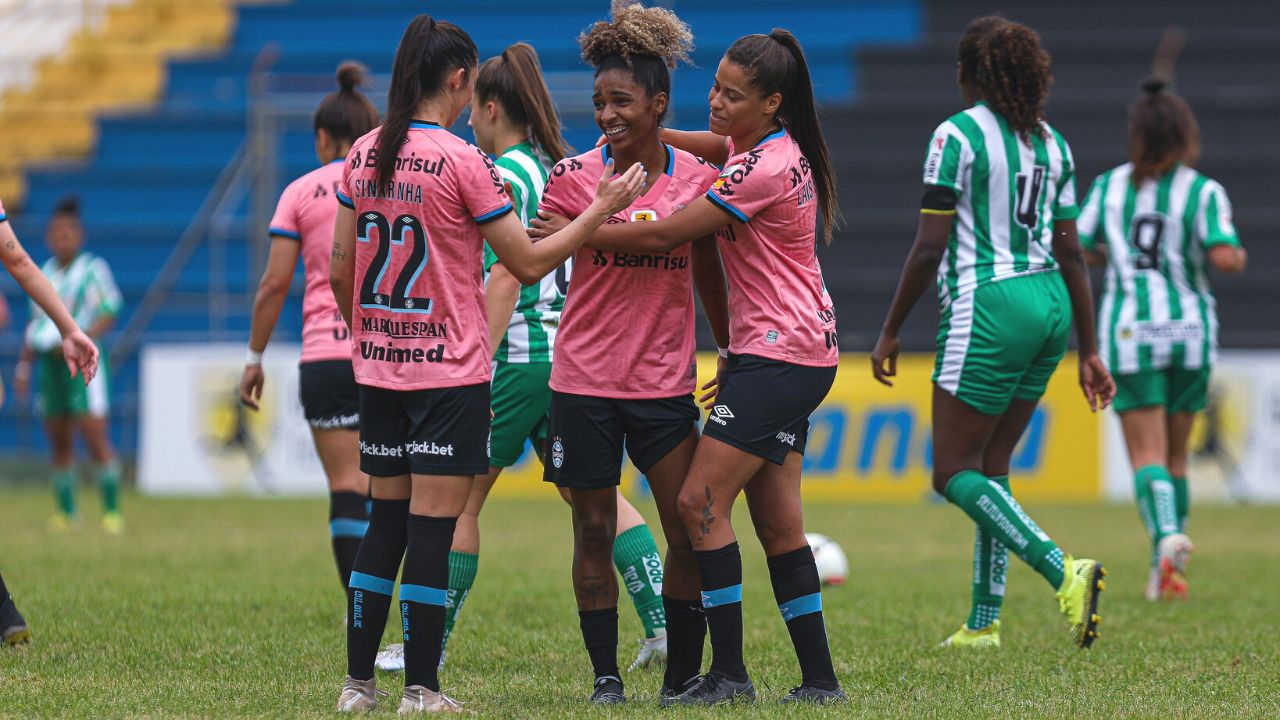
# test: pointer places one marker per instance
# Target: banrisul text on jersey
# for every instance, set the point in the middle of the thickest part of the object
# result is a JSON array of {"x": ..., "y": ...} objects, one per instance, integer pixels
[{"x": 418, "y": 320}]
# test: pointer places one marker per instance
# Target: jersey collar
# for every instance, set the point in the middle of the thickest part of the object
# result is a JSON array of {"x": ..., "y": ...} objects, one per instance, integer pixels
[
  {"x": 606, "y": 152},
  {"x": 424, "y": 125}
]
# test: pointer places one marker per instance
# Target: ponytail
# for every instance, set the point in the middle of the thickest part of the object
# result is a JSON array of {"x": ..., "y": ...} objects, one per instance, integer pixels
[
  {"x": 514, "y": 80},
  {"x": 1162, "y": 131},
  {"x": 776, "y": 64},
  {"x": 428, "y": 51},
  {"x": 347, "y": 114}
]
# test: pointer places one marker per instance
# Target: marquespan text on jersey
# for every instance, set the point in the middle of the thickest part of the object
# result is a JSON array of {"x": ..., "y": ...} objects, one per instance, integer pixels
[{"x": 403, "y": 328}]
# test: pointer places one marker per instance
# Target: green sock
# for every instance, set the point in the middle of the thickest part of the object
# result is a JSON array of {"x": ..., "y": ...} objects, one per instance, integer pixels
[
  {"x": 995, "y": 510},
  {"x": 1154, "y": 490},
  {"x": 1182, "y": 501},
  {"x": 462, "y": 575},
  {"x": 635, "y": 554},
  {"x": 64, "y": 488},
  {"x": 990, "y": 568},
  {"x": 109, "y": 481}
]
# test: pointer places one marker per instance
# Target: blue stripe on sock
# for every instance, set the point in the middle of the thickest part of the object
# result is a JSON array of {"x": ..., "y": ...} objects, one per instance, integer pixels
[
  {"x": 348, "y": 527},
  {"x": 423, "y": 594},
  {"x": 382, "y": 586},
  {"x": 723, "y": 596},
  {"x": 803, "y": 605}
]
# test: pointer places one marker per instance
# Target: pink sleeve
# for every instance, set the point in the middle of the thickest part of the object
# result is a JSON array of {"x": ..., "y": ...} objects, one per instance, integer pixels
[
  {"x": 481, "y": 187},
  {"x": 3, "y": 217},
  {"x": 344, "y": 188},
  {"x": 285, "y": 222},
  {"x": 745, "y": 188},
  {"x": 556, "y": 195}
]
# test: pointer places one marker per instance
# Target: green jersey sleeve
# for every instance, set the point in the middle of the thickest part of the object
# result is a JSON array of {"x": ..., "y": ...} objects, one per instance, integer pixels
[
  {"x": 1090, "y": 223},
  {"x": 1064, "y": 207},
  {"x": 1215, "y": 225},
  {"x": 944, "y": 161}
]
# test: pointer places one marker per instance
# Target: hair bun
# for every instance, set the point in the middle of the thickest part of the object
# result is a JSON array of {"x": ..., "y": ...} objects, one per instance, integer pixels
[
  {"x": 1154, "y": 84},
  {"x": 351, "y": 75},
  {"x": 68, "y": 205}
]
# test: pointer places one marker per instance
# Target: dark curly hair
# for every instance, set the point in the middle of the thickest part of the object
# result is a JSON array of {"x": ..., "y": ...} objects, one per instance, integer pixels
[
  {"x": 1004, "y": 62},
  {"x": 647, "y": 41},
  {"x": 1162, "y": 131}
]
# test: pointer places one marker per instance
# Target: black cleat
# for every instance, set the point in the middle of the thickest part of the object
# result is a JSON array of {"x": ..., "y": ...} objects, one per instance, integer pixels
[
  {"x": 713, "y": 689},
  {"x": 13, "y": 629},
  {"x": 814, "y": 695},
  {"x": 608, "y": 691},
  {"x": 668, "y": 695}
]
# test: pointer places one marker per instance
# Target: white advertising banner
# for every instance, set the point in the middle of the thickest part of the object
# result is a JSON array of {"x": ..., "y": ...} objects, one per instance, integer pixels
[
  {"x": 197, "y": 439},
  {"x": 1235, "y": 445}
]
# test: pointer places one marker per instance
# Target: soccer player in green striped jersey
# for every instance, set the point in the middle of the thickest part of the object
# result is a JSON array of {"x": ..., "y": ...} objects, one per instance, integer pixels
[
  {"x": 86, "y": 286},
  {"x": 997, "y": 228},
  {"x": 514, "y": 118},
  {"x": 1157, "y": 224}
]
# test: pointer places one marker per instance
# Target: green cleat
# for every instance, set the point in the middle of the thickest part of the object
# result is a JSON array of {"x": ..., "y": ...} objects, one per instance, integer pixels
[
  {"x": 1078, "y": 598},
  {"x": 987, "y": 637}
]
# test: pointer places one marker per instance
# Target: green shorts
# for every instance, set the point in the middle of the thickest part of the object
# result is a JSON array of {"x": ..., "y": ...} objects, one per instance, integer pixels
[
  {"x": 1177, "y": 389},
  {"x": 520, "y": 400},
  {"x": 1003, "y": 341},
  {"x": 58, "y": 394}
]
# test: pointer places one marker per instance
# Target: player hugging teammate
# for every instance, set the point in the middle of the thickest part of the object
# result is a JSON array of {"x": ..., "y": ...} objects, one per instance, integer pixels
[{"x": 418, "y": 205}]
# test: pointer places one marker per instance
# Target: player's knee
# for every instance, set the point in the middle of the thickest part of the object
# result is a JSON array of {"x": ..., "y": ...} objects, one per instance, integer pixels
[
  {"x": 691, "y": 504},
  {"x": 595, "y": 532}
]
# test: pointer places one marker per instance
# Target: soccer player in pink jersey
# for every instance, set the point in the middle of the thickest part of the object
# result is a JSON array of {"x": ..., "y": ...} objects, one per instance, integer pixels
[
  {"x": 80, "y": 354},
  {"x": 303, "y": 226},
  {"x": 624, "y": 371},
  {"x": 418, "y": 204},
  {"x": 781, "y": 357}
]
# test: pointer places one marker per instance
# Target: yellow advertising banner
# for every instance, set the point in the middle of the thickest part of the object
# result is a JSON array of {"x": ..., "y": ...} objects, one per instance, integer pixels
[{"x": 868, "y": 442}]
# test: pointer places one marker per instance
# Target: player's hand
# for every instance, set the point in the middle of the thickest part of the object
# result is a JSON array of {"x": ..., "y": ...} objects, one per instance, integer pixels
[
  {"x": 81, "y": 355},
  {"x": 251, "y": 386},
  {"x": 712, "y": 386},
  {"x": 614, "y": 194},
  {"x": 884, "y": 359},
  {"x": 546, "y": 224},
  {"x": 602, "y": 140},
  {"x": 1098, "y": 386}
]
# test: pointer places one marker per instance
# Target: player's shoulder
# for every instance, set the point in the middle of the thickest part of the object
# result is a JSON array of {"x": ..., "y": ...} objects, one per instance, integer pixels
[
  {"x": 578, "y": 168},
  {"x": 690, "y": 168}
]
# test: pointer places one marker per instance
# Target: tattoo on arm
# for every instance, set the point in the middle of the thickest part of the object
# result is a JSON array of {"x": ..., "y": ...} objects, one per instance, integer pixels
[{"x": 338, "y": 252}]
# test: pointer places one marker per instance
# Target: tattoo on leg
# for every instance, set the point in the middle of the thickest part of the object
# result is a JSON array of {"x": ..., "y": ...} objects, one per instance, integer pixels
[
  {"x": 707, "y": 518},
  {"x": 592, "y": 589}
]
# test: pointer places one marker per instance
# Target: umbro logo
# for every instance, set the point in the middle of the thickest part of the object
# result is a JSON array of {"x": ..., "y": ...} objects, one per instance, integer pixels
[{"x": 720, "y": 414}]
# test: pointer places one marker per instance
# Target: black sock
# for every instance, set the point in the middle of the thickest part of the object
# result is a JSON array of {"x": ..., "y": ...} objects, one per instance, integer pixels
[
  {"x": 721, "y": 572},
  {"x": 600, "y": 634},
  {"x": 686, "y": 633},
  {"x": 424, "y": 586},
  {"x": 348, "y": 521},
  {"x": 799, "y": 595},
  {"x": 4, "y": 591},
  {"x": 373, "y": 578}
]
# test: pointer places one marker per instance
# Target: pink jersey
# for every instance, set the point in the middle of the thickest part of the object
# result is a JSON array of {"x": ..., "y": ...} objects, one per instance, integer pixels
[
  {"x": 627, "y": 326},
  {"x": 419, "y": 314},
  {"x": 3, "y": 217},
  {"x": 778, "y": 304},
  {"x": 305, "y": 214}
]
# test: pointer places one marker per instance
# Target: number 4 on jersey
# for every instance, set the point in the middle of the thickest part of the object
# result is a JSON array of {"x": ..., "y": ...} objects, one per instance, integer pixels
[
  {"x": 406, "y": 230},
  {"x": 1030, "y": 186}
]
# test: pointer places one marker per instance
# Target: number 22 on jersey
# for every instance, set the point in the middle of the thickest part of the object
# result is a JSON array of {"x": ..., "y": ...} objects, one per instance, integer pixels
[{"x": 404, "y": 234}]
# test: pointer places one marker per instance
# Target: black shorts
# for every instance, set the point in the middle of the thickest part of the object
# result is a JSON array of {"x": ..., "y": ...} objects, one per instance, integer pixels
[
  {"x": 329, "y": 394},
  {"x": 764, "y": 405},
  {"x": 586, "y": 435},
  {"x": 444, "y": 431}
]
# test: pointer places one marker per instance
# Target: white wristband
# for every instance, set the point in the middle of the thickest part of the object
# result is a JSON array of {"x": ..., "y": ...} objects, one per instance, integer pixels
[
  {"x": 724, "y": 352},
  {"x": 252, "y": 358}
]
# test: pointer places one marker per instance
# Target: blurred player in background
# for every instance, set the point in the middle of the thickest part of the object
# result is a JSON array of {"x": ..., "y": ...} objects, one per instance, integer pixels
[
  {"x": 780, "y": 359},
  {"x": 418, "y": 204},
  {"x": 88, "y": 290},
  {"x": 997, "y": 227},
  {"x": 303, "y": 227},
  {"x": 625, "y": 367},
  {"x": 514, "y": 118},
  {"x": 1157, "y": 224},
  {"x": 79, "y": 355}
]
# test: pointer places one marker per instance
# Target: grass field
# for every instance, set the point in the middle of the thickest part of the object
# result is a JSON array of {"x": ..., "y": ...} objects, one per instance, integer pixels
[{"x": 232, "y": 607}]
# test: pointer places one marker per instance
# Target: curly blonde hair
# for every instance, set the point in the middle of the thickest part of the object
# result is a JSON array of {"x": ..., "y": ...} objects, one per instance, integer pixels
[{"x": 635, "y": 30}]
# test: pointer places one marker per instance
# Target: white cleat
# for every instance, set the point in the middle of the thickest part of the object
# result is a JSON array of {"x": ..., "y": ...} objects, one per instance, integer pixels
[
  {"x": 418, "y": 699},
  {"x": 391, "y": 659},
  {"x": 359, "y": 695},
  {"x": 1174, "y": 553},
  {"x": 653, "y": 651}
]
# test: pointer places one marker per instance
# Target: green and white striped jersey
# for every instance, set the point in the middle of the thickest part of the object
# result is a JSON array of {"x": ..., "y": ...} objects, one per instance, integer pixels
[
  {"x": 531, "y": 336},
  {"x": 1009, "y": 191},
  {"x": 86, "y": 288},
  {"x": 1157, "y": 309}
]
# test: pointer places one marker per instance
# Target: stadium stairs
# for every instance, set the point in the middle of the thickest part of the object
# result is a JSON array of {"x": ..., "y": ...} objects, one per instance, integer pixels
[
  {"x": 1101, "y": 51},
  {"x": 153, "y": 169}
]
